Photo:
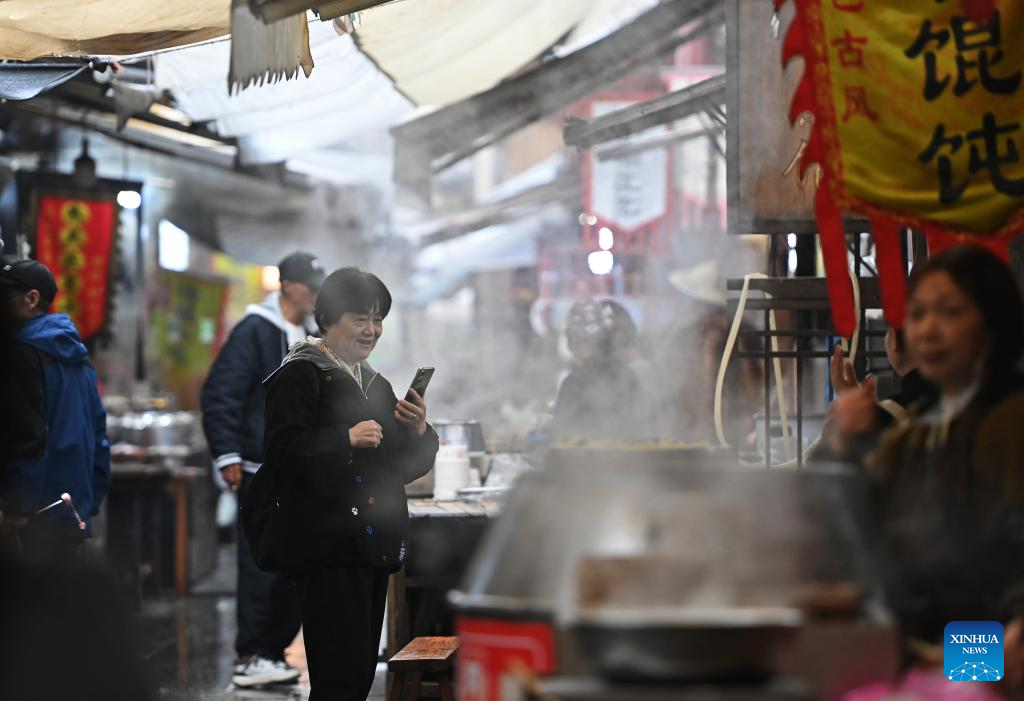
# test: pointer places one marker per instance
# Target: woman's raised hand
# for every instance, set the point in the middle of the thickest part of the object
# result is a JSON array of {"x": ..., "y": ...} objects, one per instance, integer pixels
[
  {"x": 841, "y": 372},
  {"x": 413, "y": 413}
]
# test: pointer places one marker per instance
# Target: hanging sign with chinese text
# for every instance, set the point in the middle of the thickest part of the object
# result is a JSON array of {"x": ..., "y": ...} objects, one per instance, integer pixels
[
  {"x": 75, "y": 240},
  {"x": 629, "y": 195},
  {"x": 919, "y": 122}
]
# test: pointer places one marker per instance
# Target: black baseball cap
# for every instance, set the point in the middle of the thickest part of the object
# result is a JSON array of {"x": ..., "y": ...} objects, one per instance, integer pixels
[
  {"x": 29, "y": 275},
  {"x": 302, "y": 267}
]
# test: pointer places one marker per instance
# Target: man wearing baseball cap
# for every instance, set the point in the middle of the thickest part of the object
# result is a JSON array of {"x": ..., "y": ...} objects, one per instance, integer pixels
[
  {"x": 233, "y": 398},
  {"x": 53, "y": 438}
]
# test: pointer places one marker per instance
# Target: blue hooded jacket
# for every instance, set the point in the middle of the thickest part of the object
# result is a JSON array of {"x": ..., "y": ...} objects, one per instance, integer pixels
[{"x": 76, "y": 457}]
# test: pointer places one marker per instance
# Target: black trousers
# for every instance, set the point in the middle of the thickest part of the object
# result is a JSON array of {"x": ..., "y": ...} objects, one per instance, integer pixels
[
  {"x": 342, "y": 617},
  {"x": 269, "y": 605}
]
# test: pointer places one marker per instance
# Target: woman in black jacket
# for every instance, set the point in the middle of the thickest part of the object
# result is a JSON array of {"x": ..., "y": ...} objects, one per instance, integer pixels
[{"x": 344, "y": 446}]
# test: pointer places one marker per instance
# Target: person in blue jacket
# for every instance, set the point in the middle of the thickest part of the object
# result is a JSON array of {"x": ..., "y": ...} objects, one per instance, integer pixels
[{"x": 55, "y": 442}]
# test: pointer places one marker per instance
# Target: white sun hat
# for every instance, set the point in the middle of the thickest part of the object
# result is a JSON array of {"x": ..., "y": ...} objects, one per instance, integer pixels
[{"x": 702, "y": 282}]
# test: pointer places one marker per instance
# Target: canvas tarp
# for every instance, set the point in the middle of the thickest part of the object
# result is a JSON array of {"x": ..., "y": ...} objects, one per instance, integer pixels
[
  {"x": 441, "y": 51},
  {"x": 31, "y": 29}
]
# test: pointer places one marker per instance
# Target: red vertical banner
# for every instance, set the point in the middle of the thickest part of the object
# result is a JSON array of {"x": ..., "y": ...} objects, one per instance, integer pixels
[{"x": 75, "y": 240}]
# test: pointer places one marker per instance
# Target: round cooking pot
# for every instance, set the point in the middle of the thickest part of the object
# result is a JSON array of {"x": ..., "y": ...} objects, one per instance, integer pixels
[{"x": 467, "y": 433}]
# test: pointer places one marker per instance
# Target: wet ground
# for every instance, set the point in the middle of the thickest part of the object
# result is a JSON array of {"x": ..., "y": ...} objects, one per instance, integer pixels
[{"x": 187, "y": 646}]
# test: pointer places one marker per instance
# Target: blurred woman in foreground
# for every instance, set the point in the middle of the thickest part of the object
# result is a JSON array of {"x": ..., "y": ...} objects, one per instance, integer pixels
[{"x": 949, "y": 477}]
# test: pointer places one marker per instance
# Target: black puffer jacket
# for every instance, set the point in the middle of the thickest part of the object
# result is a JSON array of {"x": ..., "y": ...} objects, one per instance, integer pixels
[{"x": 340, "y": 504}]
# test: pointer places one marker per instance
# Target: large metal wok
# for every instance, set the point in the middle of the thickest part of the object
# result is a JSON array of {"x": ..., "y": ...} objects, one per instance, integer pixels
[
  {"x": 665, "y": 565},
  {"x": 727, "y": 644}
]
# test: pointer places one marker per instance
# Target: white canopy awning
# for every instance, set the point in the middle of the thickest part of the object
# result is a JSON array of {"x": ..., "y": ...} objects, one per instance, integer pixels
[
  {"x": 605, "y": 17},
  {"x": 345, "y": 96},
  {"x": 436, "y": 51},
  {"x": 441, "y": 51},
  {"x": 33, "y": 28}
]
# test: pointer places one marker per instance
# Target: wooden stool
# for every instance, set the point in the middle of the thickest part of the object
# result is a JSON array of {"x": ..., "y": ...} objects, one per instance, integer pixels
[{"x": 422, "y": 656}]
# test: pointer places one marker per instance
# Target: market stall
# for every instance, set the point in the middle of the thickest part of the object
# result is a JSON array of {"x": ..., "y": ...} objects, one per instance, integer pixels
[
  {"x": 159, "y": 526},
  {"x": 596, "y": 209}
]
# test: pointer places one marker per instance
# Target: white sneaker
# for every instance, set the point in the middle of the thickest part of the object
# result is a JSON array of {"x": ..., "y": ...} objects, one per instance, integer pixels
[{"x": 261, "y": 671}]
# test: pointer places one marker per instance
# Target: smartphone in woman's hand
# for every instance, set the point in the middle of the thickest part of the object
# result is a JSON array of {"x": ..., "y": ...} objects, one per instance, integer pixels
[{"x": 420, "y": 382}]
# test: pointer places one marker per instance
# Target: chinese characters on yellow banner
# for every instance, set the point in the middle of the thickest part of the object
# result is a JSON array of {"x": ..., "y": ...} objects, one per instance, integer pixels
[{"x": 919, "y": 122}]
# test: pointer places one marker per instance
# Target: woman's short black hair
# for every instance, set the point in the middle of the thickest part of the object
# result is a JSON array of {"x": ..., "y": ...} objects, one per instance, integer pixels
[
  {"x": 988, "y": 282},
  {"x": 350, "y": 290}
]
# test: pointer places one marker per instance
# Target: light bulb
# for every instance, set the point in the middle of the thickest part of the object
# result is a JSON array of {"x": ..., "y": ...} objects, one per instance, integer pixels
[
  {"x": 601, "y": 262},
  {"x": 129, "y": 199}
]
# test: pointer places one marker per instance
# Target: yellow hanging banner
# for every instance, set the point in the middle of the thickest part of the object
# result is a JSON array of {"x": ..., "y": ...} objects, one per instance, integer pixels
[{"x": 919, "y": 122}]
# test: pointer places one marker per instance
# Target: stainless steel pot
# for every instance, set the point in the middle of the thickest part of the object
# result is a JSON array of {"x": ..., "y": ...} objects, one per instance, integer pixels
[
  {"x": 467, "y": 433},
  {"x": 154, "y": 429}
]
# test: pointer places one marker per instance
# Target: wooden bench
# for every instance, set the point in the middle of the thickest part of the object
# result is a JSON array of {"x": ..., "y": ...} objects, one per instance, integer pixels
[{"x": 433, "y": 656}]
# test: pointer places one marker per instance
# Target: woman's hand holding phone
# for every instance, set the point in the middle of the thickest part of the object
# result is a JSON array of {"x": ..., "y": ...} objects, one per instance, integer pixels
[
  {"x": 367, "y": 434},
  {"x": 412, "y": 411}
]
